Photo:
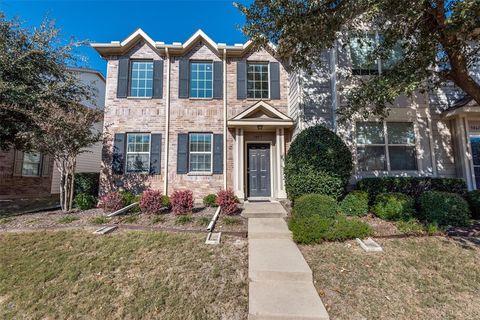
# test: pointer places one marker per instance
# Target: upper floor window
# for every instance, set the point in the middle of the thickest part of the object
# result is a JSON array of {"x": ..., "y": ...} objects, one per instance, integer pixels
[
  {"x": 31, "y": 165},
  {"x": 201, "y": 80},
  {"x": 138, "y": 152},
  {"x": 361, "y": 49},
  {"x": 386, "y": 146},
  {"x": 141, "y": 78},
  {"x": 200, "y": 152},
  {"x": 257, "y": 81}
]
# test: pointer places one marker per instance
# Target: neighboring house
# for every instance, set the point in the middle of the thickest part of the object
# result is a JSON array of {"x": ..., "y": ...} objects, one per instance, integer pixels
[
  {"x": 205, "y": 116},
  {"x": 32, "y": 174}
]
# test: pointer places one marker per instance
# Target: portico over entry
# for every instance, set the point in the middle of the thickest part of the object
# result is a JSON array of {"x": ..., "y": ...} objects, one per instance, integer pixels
[{"x": 261, "y": 134}]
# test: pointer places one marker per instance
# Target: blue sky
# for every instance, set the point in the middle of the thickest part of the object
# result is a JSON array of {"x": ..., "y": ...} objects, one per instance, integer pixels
[{"x": 107, "y": 20}]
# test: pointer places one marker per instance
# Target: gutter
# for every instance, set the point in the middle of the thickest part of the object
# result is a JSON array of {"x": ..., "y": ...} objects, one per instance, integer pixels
[{"x": 167, "y": 125}]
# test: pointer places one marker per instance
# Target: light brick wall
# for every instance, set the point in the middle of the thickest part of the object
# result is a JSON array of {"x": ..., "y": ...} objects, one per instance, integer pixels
[{"x": 186, "y": 115}]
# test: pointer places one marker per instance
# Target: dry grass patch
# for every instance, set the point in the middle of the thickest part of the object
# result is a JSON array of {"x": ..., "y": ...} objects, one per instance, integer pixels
[
  {"x": 128, "y": 275},
  {"x": 416, "y": 278}
]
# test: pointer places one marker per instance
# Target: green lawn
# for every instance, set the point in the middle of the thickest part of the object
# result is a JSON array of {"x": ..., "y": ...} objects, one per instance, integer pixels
[
  {"x": 133, "y": 275},
  {"x": 416, "y": 278}
]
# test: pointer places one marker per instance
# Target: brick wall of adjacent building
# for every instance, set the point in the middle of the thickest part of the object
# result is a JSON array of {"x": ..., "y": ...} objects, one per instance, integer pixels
[
  {"x": 186, "y": 115},
  {"x": 17, "y": 186}
]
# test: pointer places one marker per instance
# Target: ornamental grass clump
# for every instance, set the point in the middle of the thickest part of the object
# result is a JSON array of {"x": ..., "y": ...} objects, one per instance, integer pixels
[
  {"x": 355, "y": 204},
  {"x": 182, "y": 201},
  {"x": 393, "y": 206},
  {"x": 228, "y": 202}
]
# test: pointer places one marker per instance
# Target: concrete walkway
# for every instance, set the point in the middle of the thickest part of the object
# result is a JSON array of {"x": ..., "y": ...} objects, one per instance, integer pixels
[{"x": 281, "y": 284}]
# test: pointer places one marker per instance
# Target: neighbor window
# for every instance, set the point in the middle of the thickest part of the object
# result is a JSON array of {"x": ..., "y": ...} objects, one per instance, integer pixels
[
  {"x": 362, "y": 46},
  {"x": 200, "y": 152},
  {"x": 138, "y": 152},
  {"x": 31, "y": 165},
  {"x": 386, "y": 146},
  {"x": 257, "y": 81},
  {"x": 141, "y": 79},
  {"x": 201, "y": 79}
]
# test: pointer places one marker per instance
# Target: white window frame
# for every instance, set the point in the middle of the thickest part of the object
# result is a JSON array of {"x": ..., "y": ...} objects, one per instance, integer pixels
[
  {"x": 268, "y": 79},
  {"x": 40, "y": 164},
  {"x": 190, "y": 80},
  {"x": 130, "y": 88},
  {"x": 127, "y": 153},
  {"x": 200, "y": 152},
  {"x": 386, "y": 146}
]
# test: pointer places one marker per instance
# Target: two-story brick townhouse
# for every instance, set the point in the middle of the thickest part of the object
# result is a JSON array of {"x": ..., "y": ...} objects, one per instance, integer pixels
[
  {"x": 197, "y": 115},
  {"x": 205, "y": 116}
]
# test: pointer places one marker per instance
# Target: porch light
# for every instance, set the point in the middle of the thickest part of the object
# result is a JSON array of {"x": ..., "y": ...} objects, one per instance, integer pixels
[{"x": 259, "y": 127}]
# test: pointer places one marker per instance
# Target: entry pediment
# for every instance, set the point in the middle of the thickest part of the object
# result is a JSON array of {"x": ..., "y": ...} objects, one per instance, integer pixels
[{"x": 262, "y": 111}]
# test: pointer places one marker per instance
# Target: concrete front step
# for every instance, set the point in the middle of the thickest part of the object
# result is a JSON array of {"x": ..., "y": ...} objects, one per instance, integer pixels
[
  {"x": 276, "y": 259},
  {"x": 268, "y": 228},
  {"x": 285, "y": 300},
  {"x": 263, "y": 210}
]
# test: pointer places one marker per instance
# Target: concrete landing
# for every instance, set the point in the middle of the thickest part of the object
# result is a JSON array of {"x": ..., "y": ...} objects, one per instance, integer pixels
[
  {"x": 281, "y": 284},
  {"x": 263, "y": 210},
  {"x": 268, "y": 228}
]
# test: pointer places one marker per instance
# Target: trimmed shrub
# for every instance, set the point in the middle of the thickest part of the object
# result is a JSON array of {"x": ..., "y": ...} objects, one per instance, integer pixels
[
  {"x": 227, "y": 200},
  {"x": 300, "y": 180},
  {"x": 210, "y": 200},
  {"x": 316, "y": 229},
  {"x": 182, "y": 201},
  {"x": 393, "y": 206},
  {"x": 355, "y": 204},
  {"x": 412, "y": 186},
  {"x": 84, "y": 201},
  {"x": 444, "y": 208},
  {"x": 318, "y": 161},
  {"x": 129, "y": 198},
  {"x": 166, "y": 203},
  {"x": 111, "y": 202},
  {"x": 151, "y": 201},
  {"x": 315, "y": 204},
  {"x": 86, "y": 182},
  {"x": 473, "y": 198}
]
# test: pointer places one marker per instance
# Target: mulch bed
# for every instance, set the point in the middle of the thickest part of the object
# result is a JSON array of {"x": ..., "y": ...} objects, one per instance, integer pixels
[
  {"x": 470, "y": 231},
  {"x": 381, "y": 227},
  {"x": 235, "y": 225}
]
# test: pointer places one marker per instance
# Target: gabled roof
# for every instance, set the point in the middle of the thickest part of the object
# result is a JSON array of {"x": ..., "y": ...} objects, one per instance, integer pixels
[
  {"x": 465, "y": 105},
  {"x": 176, "y": 48},
  {"x": 261, "y": 113}
]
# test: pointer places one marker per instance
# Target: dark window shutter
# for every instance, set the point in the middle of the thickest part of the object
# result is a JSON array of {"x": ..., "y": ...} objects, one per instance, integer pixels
[
  {"x": 241, "y": 80},
  {"x": 122, "y": 82},
  {"x": 155, "y": 153},
  {"x": 158, "y": 79},
  {"x": 118, "y": 156},
  {"x": 18, "y": 163},
  {"x": 274, "y": 80},
  {"x": 182, "y": 153},
  {"x": 46, "y": 165},
  {"x": 183, "y": 66},
  {"x": 217, "y": 153},
  {"x": 218, "y": 80}
]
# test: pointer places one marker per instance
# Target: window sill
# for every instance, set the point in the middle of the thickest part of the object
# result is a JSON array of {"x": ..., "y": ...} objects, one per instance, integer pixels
[
  {"x": 200, "y": 174},
  {"x": 139, "y": 98},
  {"x": 201, "y": 99},
  {"x": 258, "y": 99},
  {"x": 33, "y": 176}
]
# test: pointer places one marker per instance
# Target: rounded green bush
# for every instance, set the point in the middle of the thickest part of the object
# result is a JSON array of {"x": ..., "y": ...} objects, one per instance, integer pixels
[
  {"x": 473, "y": 198},
  {"x": 84, "y": 201},
  {"x": 393, "y": 206},
  {"x": 345, "y": 229},
  {"x": 166, "y": 201},
  {"x": 355, "y": 204},
  {"x": 318, "y": 161},
  {"x": 315, "y": 204},
  {"x": 444, "y": 208},
  {"x": 210, "y": 200},
  {"x": 310, "y": 229}
]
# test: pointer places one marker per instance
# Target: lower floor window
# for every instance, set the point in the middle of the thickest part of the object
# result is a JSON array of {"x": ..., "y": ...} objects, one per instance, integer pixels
[
  {"x": 138, "y": 152},
  {"x": 200, "y": 152},
  {"x": 31, "y": 165},
  {"x": 386, "y": 146}
]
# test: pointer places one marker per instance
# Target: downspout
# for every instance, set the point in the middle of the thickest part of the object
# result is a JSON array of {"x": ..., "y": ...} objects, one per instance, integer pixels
[
  {"x": 333, "y": 77},
  {"x": 167, "y": 125},
  {"x": 225, "y": 119}
]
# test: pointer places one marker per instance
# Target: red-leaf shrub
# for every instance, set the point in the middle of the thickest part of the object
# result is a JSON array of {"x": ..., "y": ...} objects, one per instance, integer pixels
[
  {"x": 227, "y": 200},
  {"x": 182, "y": 201},
  {"x": 151, "y": 201},
  {"x": 111, "y": 202}
]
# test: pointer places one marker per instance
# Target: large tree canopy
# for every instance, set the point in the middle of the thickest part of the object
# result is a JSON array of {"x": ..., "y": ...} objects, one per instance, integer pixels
[
  {"x": 33, "y": 76},
  {"x": 438, "y": 41}
]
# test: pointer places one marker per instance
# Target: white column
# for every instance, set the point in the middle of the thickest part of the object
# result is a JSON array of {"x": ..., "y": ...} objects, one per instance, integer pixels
[
  {"x": 280, "y": 148},
  {"x": 238, "y": 166}
]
